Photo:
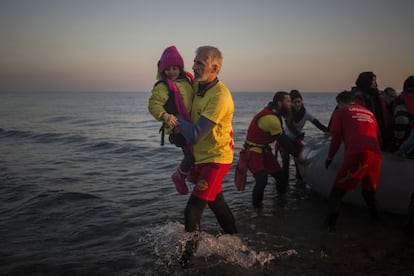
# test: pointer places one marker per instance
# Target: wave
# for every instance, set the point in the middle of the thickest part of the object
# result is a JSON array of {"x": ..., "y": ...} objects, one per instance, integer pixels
[
  {"x": 72, "y": 120},
  {"x": 77, "y": 141},
  {"x": 45, "y": 137},
  {"x": 59, "y": 119},
  {"x": 15, "y": 133},
  {"x": 102, "y": 145}
]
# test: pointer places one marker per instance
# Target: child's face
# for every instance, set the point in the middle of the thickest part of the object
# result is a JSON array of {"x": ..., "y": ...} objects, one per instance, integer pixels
[{"x": 172, "y": 72}]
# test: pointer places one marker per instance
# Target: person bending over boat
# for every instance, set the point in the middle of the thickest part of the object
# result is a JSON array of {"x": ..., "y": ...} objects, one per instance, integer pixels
[
  {"x": 294, "y": 126},
  {"x": 357, "y": 127},
  {"x": 264, "y": 129}
]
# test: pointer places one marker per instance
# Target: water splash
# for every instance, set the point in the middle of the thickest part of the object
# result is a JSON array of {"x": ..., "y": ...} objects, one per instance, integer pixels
[
  {"x": 233, "y": 250},
  {"x": 168, "y": 241}
]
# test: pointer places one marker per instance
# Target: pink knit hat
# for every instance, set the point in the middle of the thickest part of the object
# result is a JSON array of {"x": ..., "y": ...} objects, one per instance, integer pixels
[{"x": 170, "y": 57}]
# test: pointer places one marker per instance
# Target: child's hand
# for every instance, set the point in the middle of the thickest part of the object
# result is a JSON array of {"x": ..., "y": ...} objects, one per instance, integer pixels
[{"x": 170, "y": 120}]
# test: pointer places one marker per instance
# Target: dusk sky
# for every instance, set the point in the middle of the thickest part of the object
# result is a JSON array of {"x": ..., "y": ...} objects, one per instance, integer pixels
[{"x": 102, "y": 45}]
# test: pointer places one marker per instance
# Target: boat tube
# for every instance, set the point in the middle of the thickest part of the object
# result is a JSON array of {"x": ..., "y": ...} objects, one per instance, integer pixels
[{"x": 394, "y": 188}]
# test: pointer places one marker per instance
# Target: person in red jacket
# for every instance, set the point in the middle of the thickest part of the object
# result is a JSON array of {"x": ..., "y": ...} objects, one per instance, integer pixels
[{"x": 357, "y": 127}]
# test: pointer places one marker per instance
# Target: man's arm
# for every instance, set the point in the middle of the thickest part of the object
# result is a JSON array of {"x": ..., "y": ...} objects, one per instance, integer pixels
[{"x": 194, "y": 133}]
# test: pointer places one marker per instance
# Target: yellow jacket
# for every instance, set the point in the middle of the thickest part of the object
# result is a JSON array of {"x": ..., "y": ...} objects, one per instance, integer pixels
[{"x": 160, "y": 95}]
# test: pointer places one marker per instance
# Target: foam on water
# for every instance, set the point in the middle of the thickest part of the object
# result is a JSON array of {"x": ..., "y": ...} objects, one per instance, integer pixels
[{"x": 168, "y": 241}]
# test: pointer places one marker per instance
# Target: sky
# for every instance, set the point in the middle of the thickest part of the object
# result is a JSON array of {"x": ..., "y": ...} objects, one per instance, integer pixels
[{"x": 267, "y": 45}]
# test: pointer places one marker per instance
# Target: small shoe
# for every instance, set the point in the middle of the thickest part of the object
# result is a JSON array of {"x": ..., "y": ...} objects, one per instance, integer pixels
[{"x": 179, "y": 180}]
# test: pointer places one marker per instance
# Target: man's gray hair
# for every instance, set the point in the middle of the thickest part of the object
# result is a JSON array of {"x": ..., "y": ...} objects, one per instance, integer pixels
[{"x": 212, "y": 54}]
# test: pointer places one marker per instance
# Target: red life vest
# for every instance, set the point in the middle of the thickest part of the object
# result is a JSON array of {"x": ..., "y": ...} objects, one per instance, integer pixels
[{"x": 257, "y": 135}]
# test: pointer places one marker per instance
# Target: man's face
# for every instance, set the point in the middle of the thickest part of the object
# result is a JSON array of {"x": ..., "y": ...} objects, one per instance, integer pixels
[
  {"x": 203, "y": 71},
  {"x": 284, "y": 107}
]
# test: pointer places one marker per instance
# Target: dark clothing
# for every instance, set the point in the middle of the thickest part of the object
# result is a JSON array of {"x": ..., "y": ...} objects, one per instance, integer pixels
[
  {"x": 293, "y": 129},
  {"x": 286, "y": 164},
  {"x": 372, "y": 100},
  {"x": 407, "y": 98},
  {"x": 195, "y": 208},
  {"x": 261, "y": 182},
  {"x": 335, "y": 200},
  {"x": 187, "y": 162}
]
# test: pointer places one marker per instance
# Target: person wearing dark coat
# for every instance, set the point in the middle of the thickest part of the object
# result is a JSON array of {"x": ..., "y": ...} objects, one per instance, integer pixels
[{"x": 366, "y": 93}]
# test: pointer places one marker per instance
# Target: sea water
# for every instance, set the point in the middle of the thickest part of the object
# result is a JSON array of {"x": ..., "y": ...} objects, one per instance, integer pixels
[{"x": 85, "y": 189}]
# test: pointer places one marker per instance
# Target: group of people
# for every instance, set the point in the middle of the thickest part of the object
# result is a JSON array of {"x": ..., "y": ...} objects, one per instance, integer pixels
[
  {"x": 368, "y": 122},
  {"x": 196, "y": 112},
  {"x": 394, "y": 113},
  {"x": 282, "y": 122}
]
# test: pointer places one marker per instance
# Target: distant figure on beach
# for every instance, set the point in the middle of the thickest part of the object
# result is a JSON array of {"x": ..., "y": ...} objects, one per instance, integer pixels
[
  {"x": 406, "y": 101},
  {"x": 366, "y": 93},
  {"x": 173, "y": 95},
  {"x": 211, "y": 134},
  {"x": 357, "y": 128},
  {"x": 265, "y": 128},
  {"x": 294, "y": 126}
]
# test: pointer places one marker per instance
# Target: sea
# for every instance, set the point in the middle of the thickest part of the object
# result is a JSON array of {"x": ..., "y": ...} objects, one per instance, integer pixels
[{"x": 85, "y": 189}]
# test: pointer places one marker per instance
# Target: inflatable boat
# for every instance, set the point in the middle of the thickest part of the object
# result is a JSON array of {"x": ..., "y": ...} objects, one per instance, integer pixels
[{"x": 394, "y": 188}]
